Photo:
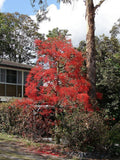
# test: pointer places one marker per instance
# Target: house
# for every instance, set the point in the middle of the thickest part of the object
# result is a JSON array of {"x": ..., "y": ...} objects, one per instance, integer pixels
[{"x": 12, "y": 79}]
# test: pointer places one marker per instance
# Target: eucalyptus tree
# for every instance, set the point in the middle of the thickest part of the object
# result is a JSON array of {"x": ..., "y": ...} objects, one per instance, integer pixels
[
  {"x": 90, "y": 39},
  {"x": 107, "y": 73},
  {"x": 17, "y": 35}
]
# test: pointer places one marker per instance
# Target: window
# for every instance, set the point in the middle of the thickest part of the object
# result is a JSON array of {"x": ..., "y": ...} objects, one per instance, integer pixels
[
  {"x": 12, "y": 82},
  {"x": 25, "y": 76},
  {"x": 2, "y": 75},
  {"x": 19, "y": 77},
  {"x": 19, "y": 91},
  {"x": 11, "y": 76},
  {"x": 2, "y": 89},
  {"x": 10, "y": 90}
]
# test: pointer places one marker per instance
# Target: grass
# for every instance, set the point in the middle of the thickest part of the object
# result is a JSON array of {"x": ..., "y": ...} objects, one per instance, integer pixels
[{"x": 26, "y": 142}]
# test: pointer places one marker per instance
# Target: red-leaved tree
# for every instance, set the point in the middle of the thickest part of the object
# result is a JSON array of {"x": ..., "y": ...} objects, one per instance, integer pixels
[{"x": 57, "y": 78}]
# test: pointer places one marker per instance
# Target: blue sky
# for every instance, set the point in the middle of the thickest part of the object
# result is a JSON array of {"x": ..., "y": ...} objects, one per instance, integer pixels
[{"x": 21, "y": 6}]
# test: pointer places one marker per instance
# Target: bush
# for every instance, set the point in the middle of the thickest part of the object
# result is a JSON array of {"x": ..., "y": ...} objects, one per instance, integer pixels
[
  {"x": 4, "y": 120},
  {"x": 8, "y": 115},
  {"x": 114, "y": 140},
  {"x": 26, "y": 119},
  {"x": 84, "y": 131}
]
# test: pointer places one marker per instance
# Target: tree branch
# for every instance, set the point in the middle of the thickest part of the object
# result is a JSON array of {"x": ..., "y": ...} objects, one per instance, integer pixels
[{"x": 99, "y": 4}]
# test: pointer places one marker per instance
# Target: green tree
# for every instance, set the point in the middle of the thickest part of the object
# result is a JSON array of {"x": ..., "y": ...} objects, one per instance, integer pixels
[
  {"x": 6, "y": 28},
  {"x": 56, "y": 32},
  {"x": 17, "y": 35},
  {"x": 108, "y": 73}
]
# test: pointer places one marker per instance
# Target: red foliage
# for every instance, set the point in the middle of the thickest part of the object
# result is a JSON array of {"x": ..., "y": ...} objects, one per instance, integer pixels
[
  {"x": 56, "y": 79},
  {"x": 99, "y": 95},
  {"x": 31, "y": 120}
]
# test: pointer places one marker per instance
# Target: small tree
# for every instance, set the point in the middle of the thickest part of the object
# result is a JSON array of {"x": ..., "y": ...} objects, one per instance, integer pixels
[{"x": 57, "y": 78}]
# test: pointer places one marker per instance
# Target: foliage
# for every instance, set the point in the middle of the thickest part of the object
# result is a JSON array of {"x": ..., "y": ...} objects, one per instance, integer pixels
[
  {"x": 108, "y": 73},
  {"x": 84, "y": 131},
  {"x": 115, "y": 31},
  {"x": 78, "y": 129},
  {"x": 114, "y": 140},
  {"x": 17, "y": 35},
  {"x": 57, "y": 79},
  {"x": 23, "y": 118},
  {"x": 4, "y": 117},
  {"x": 56, "y": 32}
]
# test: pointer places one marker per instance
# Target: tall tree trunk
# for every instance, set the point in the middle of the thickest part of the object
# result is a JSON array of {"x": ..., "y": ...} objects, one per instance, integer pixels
[{"x": 90, "y": 48}]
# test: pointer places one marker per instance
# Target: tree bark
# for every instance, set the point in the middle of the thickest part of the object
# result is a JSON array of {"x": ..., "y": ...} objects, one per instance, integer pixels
[{"x": 90, "y": 48}]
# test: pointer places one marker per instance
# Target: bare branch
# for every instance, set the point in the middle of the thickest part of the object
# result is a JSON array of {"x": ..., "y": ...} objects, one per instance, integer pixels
[{"x": 99, "y": 4}]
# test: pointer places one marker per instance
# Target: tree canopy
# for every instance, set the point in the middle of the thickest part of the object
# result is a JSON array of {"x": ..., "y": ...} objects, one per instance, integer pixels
[
  {"x": 17, "y": 35},
  {"x": 57, "y": 77}
]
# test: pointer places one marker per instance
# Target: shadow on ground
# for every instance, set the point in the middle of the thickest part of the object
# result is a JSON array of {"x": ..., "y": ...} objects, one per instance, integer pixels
[{"x": 16, "y": 151}]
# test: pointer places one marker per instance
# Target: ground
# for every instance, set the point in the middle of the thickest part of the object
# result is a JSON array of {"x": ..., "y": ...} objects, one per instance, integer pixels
[
  {"x": 16, "y": 148},
  {"x": 10, "y": 148}
]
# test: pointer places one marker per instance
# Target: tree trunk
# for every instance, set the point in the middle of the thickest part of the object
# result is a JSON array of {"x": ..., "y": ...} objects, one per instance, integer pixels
[{"x": 90, "y": 48}]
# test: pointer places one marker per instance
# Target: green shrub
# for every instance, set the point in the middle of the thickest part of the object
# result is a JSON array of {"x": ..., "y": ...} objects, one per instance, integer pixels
[
  {"x": 114, "y": 140},
  {"x": 8, "y": 117},
  {"x": 84, "y": 131}
]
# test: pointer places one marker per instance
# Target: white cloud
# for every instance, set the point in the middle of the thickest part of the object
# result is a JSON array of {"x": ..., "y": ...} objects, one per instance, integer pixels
[
  {"x": 107, "y": 15},
  {"x": 72, "y": 17},
  {"x": 1, "y": 4}
]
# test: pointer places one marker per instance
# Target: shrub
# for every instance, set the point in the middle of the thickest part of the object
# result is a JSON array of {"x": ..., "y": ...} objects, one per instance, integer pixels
[
  {"x": 24, "y": 118},
  {"x": 84, "y": 131},
  {"x": 4, "y": 120},
  {"x": 8, "y": 115},
  {"x": 114, "y": 140}
]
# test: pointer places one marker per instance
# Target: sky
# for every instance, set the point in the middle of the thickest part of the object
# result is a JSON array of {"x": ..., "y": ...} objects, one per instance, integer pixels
[{"x": 71, "y": 17}]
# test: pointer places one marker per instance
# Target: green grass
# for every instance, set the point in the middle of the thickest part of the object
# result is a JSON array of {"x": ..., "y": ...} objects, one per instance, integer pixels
[{"x": 26, "y": 142}]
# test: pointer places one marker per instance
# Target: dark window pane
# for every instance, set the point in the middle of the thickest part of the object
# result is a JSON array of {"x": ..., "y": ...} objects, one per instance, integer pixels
[
  {"x": 19, "y": 77},
  {"x": 19, "y": 91},
  {"x": 25, "y": 76},
  {"x": 2, "y": 89},
  {"x": 11, "y": 76},
  {"x": 2, "y": 75},
  {"x": 11, "y": 90}
]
